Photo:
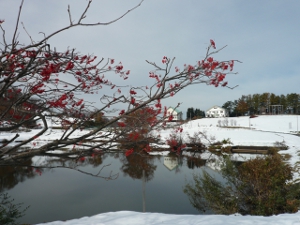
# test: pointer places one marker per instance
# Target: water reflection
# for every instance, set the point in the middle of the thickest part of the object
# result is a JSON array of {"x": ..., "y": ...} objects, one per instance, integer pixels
[
  {"x": 94, "y": 160},
  {"x": 195, "y": 162},
  {"x": 10, "y": 176},
  {"x": 135, "y": 164},
  {"x": 171, "y": 162},
  {"x": 63, "y": 194}
]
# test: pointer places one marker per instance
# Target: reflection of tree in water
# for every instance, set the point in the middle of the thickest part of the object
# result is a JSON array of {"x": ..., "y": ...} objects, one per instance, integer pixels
[
  {"x": 82, "y": 164},
  {"x": 10, "y": 176},
  {"x": 66, "y": 161},
  {"x": 195, "y": 161},
  {"x": 134, "y": 165}
]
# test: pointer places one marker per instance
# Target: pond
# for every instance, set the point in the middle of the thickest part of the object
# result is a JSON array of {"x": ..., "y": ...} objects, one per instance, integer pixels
[{"x": 63, "y": 194}]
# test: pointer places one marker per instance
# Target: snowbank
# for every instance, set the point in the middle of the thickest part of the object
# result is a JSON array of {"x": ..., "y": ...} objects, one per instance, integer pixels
[{"x": 135, "y": 218}]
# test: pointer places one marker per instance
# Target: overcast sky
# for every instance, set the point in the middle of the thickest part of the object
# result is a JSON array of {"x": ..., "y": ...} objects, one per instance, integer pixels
[{"x": 263, "y": 34}]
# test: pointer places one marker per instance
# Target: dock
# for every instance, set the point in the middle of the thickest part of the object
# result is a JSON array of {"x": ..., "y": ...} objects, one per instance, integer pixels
[{"x": 254, "y": 149}]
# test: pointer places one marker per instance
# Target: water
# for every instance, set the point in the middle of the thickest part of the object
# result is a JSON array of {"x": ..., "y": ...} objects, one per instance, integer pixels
[{"x": 63, "y": 194}]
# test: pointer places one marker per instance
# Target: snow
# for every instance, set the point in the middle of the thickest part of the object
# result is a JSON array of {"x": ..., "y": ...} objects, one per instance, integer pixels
[
  {"x": 259, "y": 131},
  {"x": 263, "y": 130},
  {"x": 136, "y": 218}
]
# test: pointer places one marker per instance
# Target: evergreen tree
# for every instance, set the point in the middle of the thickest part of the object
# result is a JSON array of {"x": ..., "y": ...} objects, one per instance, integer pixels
[
  {"x": 190, "y": 113},
  {"x": 293, "y": 103},
  {"x": 199, "y": 113},
  {"x": 230, "y": 107}
]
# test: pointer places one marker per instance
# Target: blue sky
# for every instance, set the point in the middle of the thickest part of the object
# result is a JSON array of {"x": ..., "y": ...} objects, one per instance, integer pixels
[{"x": 262, "y": 34}]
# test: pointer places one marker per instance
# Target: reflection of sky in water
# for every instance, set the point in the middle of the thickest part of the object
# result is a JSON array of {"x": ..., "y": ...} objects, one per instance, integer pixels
[{"x": 63, "y": 194}]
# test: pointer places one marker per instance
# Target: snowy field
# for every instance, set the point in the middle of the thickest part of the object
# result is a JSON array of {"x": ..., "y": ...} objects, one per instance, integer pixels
[{"x": 259, "y": 131}]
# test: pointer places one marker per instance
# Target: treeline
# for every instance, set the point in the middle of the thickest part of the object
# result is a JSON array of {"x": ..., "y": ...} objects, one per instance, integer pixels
[
  {"x": 194, "y": 114},
  {"x": 266, "y": 103}
]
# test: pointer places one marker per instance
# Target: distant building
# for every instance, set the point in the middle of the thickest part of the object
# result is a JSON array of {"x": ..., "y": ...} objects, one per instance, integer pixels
[
  {"x": 217, "y": 112},
  {"x": 177, "y": 115}
]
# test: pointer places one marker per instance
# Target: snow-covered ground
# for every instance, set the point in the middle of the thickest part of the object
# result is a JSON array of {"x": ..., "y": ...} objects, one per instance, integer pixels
[
  {"x": 259, "y": 131},
  {"x": 135, "y": 218}
]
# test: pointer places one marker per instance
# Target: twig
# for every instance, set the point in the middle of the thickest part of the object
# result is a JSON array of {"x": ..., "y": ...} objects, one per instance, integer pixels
[
  {"x": 17, "y": 24},
  {"x": 70, "y": 16},
  {"x": 32, "y": 42}
]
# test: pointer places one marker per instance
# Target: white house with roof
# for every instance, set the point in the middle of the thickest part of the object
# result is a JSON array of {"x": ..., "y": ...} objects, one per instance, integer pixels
[
  {"x": 217, "y": 112},
  {"x": 177, "y": 115}
]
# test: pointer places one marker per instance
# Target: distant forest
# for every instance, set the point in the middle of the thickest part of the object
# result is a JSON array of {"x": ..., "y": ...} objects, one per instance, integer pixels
[{"x": 266, "y": 103}]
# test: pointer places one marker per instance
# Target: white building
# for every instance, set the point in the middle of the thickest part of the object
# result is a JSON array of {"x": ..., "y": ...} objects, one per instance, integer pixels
[
  {"x": 177, "y": 115},
  {"x": 217, "y": 112}
]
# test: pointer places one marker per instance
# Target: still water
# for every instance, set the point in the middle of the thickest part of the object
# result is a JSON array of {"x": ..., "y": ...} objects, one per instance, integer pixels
[{"x": 63, "y": 194}]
